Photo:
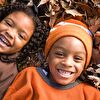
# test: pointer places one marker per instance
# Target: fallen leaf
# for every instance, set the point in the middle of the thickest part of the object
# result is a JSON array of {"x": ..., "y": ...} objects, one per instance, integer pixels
[
  {"x": 73, "y": 12},
  {"x": 42, "y": 2}
]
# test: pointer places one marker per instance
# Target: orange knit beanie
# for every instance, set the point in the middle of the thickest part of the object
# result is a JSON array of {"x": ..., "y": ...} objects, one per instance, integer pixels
[{"x": 73, "y": 28}]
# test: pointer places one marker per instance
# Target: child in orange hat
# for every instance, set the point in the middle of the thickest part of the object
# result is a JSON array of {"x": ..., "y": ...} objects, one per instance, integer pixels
[{"x": 68, "y": 52}]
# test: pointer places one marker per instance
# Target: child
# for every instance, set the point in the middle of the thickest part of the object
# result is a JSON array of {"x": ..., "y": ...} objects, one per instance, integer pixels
[
  {"x": 17, "y": 41},
  {"x": 68, "y": 52}
]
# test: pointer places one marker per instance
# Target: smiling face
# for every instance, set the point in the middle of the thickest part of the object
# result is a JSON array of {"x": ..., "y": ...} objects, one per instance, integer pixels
[
  {"x": 15, "y": 31},
  {"x": 66, "y": 60}
]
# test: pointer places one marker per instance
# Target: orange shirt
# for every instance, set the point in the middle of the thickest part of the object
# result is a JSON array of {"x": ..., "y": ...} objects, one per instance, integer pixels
[{"x": 31, "y": 85}]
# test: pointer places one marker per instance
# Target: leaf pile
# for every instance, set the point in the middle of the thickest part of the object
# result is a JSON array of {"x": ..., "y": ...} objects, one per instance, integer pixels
[
  {"x": 87, "y": 11},
  {"x": 92, "y": 75}
]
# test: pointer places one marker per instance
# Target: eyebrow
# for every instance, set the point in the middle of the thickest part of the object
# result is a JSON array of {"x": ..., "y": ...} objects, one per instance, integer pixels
[
  {"x": 7, "y": 18},
  {"x": 60, "y": 47}
]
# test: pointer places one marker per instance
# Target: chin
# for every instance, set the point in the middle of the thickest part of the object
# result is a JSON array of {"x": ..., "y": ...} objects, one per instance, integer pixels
[{"x": 63, "y": 82}]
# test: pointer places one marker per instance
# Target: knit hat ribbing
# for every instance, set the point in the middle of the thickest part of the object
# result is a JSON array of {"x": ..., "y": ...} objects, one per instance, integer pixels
[{"x": 72, "y": 28}]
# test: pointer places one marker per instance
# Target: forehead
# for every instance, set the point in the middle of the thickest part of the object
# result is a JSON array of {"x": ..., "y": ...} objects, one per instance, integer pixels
[
  {"x": 70, "y": 43},
  {"x": 20, "y": 15}
]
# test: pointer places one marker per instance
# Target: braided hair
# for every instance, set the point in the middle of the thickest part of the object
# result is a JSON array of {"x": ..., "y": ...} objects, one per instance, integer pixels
[{"x": 31, "y": 53}]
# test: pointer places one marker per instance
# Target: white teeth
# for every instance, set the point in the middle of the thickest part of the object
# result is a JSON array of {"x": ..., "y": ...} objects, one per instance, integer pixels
[
  {"x": 64, "y": 73},
  {"x": 2, "y": 43},
  {"x": 4, "y": 40}
]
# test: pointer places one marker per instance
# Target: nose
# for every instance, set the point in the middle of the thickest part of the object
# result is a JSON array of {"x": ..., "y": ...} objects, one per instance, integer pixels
[
  {"x": 9, "y": 35},
  {"x": 68, "y": 62}
]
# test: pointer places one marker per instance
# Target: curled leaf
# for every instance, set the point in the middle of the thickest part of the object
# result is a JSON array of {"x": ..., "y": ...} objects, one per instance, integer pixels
[{"x": 73, "y": 12}]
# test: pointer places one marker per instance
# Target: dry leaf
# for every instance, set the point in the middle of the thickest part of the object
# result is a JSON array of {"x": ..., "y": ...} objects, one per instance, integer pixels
[
  {"x": 98, "y": 70},
  {"x": 94, "y": 24},
  {"x": 73, "y": 12},
  {"x": 42, "y": 2},
  {"x": 96, "y": 2},
  {"x": 30, "y": 3}
]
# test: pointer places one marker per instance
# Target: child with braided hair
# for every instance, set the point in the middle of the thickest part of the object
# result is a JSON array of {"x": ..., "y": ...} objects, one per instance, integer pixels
[
  {"x": 68, "y": 51},
  {"x": 21, "y": 33}
]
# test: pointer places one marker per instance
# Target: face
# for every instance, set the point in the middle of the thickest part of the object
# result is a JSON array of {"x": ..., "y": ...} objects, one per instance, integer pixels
[
  {"x": 96, "y": 51},
  {"x": 66, "y": 60},
  {"x": 15, "y": 31}
]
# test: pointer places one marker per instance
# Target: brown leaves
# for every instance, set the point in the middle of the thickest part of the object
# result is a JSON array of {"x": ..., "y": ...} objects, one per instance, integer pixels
[
  {"x": 84, "y": 10},
  {"x": 96, "y": 80},
  {"x": 92, "y": 74},
  {"x": 94, "y": 24},
  {"x": 96, "y": 3}
]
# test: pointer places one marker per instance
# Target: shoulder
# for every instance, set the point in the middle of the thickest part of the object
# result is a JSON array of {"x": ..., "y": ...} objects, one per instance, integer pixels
[
  {"x": 25, "y": 76},
  {"x": 28, "y": 70},
  {"x": 88, "y": 89},
  {"x": 22, "y": 84},
  {"x": 27, "y": 73}
]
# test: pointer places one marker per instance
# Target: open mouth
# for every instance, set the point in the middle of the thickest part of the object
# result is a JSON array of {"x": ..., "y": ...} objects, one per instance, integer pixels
[
  {"x": 64, "y": 73},
  {"x": 5, "y": 41}
]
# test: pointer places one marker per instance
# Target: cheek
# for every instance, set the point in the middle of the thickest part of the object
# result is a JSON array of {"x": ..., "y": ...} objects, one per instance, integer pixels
[
  {"x": 81, "y": 69},
  {"x": 2, "y": 26},
  {"x": 19, "y": 45},
  {"x": 19, "y": 42},
  {"x": 51, "y": 61}
]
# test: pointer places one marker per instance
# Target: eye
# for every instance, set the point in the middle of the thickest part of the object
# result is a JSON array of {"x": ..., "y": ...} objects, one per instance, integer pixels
[
  {"x": 8, "y": 23},
  {"x": 59, "y": 54},
  {"x": 78, "y": 58},
  {"x": 22, "y": 36}
]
